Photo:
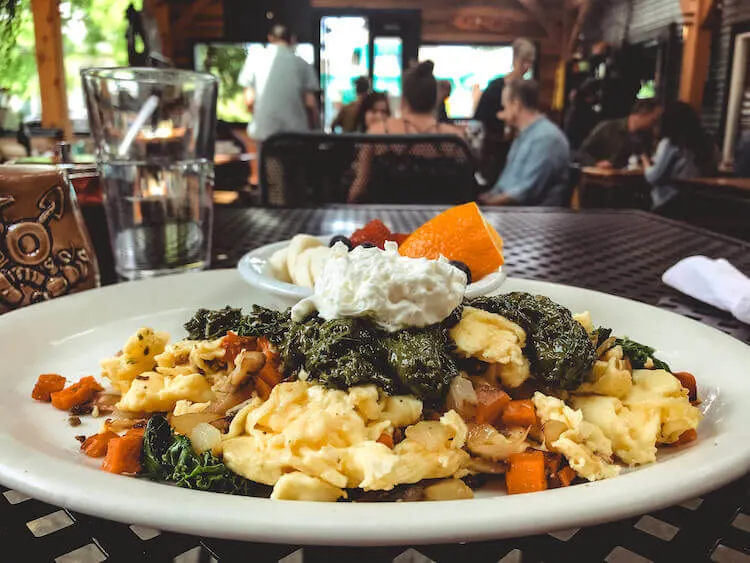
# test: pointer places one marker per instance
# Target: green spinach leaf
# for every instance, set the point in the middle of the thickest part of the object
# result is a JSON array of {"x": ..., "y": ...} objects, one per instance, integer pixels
[
  {"x": 421, "y": 361},
  {"x": 170, "y": 457},
  {"x": 558, "y": 347},
  {"x": 638, "y": 354},
  {"x": 341, "y": 353},
  {"x": 209, "y": 325}
]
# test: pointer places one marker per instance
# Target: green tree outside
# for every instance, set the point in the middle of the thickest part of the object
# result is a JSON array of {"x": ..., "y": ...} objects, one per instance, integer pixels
[
  {"x": 93, "y": 35},
  {"x": 225, "y": 61}
]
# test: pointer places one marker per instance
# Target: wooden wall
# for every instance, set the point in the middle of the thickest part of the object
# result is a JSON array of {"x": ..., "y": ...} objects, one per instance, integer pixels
[
  {"x": 608, "y": 21},
  {"x": 182, "y": 23},
  {"x": 649, "y": 19},
  {"x": 467, "y": 21},
  {"x": 632, "y": 21}
]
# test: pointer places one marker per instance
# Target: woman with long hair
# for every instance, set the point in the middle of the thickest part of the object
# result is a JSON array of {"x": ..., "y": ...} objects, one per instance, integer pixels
[
  {"x": 418, "y": 115},
  {"x": 684, "y": 151},
  {"x": 378, "y": 167},
  {"x": 373, "y": 109}
]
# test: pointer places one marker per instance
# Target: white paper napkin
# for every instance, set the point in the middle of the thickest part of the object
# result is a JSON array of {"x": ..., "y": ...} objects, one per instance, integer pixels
[{"x": 715, "y": 282}]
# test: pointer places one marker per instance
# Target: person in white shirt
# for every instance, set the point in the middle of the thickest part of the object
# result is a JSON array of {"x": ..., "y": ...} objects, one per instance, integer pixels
[{"x": 280, "y": 89}]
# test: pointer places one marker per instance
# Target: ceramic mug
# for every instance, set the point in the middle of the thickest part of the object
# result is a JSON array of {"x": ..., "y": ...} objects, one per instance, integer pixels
[{"x": 45, "y": 251}]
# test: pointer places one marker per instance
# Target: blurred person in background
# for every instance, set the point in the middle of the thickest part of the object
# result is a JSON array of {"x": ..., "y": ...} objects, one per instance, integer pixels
[
  {"x": 374, "y": 109},
  {"x": 281, "y": 89},
  {"x": 491, "y": 102},
  {"x": 444, "y": 92},
  {"x": 684, "y": 151},
  {"x": 347, "y": 116},
  {"x": 490, "y": 107},
  {"x": 620, "y": 79},
  {"x": 537, "y": 169},
  {"x": 582, "y": 117},
  {"x": 613, "y": 142},
  {"x": 418, "y": 105},
  {"x": 380, "y": 171}
]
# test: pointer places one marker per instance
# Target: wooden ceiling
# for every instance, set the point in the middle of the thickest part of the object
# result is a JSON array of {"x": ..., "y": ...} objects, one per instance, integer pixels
[{"x": 553, "y": 24}]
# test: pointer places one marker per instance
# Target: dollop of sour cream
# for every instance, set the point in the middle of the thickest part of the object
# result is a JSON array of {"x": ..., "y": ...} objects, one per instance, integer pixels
[{"x": 394, "y": 291}]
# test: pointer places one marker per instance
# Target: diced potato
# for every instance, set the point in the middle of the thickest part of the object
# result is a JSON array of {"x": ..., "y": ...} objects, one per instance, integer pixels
[{"x": 448, "y": 489}]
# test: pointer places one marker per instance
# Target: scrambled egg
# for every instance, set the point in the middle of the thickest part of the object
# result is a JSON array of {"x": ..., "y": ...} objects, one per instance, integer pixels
[
  {"x": 583, "y": 444},
  {"x": 300, "y": 486},
  {"x": 660, "y": 392},
  {"x": 153, "y": 392},
  {"x": 137, "y": 357},
  {"x": 610, "y": 376},
  {"x": 153, "y": 376},
  {"x": 656, "y": 410},
  {"x": 493, "y": 339},
  {"x": 330, "y": 436}
]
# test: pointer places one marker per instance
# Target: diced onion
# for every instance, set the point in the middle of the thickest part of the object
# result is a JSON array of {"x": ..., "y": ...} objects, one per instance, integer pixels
[
  {"x": 461, "y": 397},
  {"x": 206, "y": 437},
  {"x": 485, "y": 441},
  {"x": 184, "y": 423}
]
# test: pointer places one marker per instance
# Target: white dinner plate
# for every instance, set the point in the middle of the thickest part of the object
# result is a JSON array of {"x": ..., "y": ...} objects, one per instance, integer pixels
[
  {"x": 40, "y": 457},
  {"x": 255, "y": 268}
]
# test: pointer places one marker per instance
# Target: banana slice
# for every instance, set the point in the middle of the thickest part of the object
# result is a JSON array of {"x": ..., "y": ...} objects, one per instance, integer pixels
[
  {"x": 278, "y": 265},
  {"x": 296, "y": 247},
  {"x": 300, "y": 272},
  {"x": 318, "y": 258}
]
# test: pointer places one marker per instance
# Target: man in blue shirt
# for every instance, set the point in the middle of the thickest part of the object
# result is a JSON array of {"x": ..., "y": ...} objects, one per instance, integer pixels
[{"x": 537, "y": 169}]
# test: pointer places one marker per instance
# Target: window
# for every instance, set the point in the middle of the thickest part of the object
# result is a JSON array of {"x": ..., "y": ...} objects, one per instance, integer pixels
[
  {"x": 469, "y": 68},
  {"x": 93, "y": 35},
  {"x": 344, "y": 52}
]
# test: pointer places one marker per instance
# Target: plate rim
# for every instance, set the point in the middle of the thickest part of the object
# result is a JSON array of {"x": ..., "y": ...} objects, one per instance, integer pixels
[{"x": 51, "y": 485}]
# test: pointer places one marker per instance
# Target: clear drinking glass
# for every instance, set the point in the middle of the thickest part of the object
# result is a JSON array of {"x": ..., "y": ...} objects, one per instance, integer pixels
[{"x": 155, "y": 133}]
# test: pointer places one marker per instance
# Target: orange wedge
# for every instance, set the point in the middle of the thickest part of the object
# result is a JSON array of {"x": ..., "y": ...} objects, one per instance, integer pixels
[{"x": 459, "y": 233}]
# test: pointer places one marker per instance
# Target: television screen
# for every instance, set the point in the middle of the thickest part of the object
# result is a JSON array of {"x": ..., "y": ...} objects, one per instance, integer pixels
[
  {"x": 468, "y": 68},
  {"x": 225, "y": 61}
]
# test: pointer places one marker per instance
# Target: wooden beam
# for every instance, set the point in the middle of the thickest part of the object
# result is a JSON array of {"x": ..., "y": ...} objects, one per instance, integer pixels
[
  {"x": 50, "y": 66},
  {"x": 159, "y": 11},
  {"x": 696, "y": 52},
  {"x": 536, "y": 10},
  {"x": 187, "y": 17},
  {"x": 583, "y": 11},
  {"x": 565, "y": 32}
]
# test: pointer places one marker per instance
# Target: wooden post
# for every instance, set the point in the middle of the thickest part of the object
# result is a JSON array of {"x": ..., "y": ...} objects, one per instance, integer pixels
[
  {"x": 50, "y": 66},
  {"x": 696, "y": 51},
  {"x": 583, "y": 11},
  {"x": 159, "y": 12}
]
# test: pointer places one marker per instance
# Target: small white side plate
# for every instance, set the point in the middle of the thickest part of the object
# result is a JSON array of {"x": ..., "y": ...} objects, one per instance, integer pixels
[{"x": 255, "y": 269}]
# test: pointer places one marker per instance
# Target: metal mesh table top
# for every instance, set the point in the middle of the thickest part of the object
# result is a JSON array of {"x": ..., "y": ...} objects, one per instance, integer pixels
[{"x": 620, "y": 252}]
